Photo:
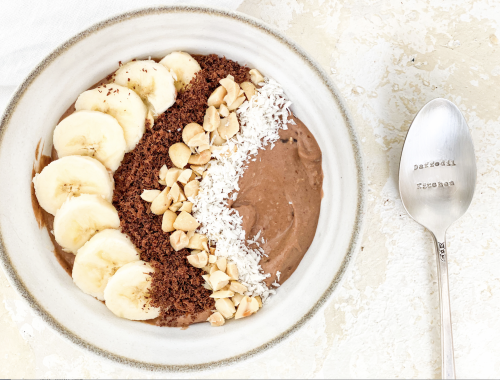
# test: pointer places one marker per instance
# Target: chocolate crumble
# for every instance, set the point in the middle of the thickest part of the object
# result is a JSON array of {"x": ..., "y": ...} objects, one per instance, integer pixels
[{"x": 177, "y": 287}]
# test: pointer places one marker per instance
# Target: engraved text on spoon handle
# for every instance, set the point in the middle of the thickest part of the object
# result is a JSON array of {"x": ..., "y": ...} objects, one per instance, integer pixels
[{"x": 448, "y": 367}]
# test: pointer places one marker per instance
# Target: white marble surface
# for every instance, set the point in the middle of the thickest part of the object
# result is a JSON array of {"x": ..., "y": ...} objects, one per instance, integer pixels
[{"x": 388, "y": 58}]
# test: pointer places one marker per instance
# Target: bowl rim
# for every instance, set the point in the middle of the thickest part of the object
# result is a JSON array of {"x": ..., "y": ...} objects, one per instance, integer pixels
[{"x": 17, "y": 282}]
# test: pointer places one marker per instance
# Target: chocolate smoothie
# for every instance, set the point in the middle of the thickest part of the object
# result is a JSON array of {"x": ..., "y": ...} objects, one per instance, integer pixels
[{"x": 280, "y": 196}]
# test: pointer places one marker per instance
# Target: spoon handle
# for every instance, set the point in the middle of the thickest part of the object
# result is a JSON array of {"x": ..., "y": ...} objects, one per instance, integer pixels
[{"x": 448, "y": 367}]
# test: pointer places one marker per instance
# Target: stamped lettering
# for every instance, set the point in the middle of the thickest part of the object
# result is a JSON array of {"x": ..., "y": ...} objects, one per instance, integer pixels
[
  {"x": 433, "y": 164},
  {"x": 442, "y": 251},
  {"x": 422, "y": 186}
]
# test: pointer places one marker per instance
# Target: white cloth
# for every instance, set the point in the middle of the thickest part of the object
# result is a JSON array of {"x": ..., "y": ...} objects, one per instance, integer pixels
[{"x": 30, "y": 30}]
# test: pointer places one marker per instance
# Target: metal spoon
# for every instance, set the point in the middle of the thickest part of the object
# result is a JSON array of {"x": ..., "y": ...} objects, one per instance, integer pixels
[{"x": 437, "y": 178}]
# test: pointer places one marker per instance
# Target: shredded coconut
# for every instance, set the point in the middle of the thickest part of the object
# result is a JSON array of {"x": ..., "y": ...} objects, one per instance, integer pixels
[{"x": 260, "y": 122}]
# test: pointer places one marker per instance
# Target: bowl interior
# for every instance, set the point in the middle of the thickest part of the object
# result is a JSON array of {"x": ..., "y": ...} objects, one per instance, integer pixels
[{"x": 27, "y": 250}]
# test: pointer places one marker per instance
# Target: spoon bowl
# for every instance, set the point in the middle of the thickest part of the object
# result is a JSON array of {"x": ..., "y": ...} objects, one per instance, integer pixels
[
  {"x": 437, "y": 175},
  {"x": 437, "y": 179}
]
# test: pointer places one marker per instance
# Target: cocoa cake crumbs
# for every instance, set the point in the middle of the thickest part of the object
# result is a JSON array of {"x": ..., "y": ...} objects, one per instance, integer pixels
[{"x": 177, "y": 287}]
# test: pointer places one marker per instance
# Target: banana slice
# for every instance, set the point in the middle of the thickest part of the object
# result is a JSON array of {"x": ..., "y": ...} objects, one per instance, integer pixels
[
  {"x": 71, "y": 176},
  {"x": 183, "y": 65},
  {"x": 151, "y": 81},
  {"x": 99, "y": 259},
  {"x": 91, "y": 133},
  {"x": 121, "y": 103},
  {"x": 127, "y": 292},
  {"x": 80, "y": 218}
]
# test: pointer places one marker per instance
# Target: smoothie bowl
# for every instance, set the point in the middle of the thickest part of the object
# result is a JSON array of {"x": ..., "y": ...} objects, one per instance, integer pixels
[{"x": 187, "y": 167}]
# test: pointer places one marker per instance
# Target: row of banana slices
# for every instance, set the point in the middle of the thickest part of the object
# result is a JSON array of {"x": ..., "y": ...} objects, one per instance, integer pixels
[
  {"x": 78, "y": 187},
  {"x": 182, "y": 185},
  {"x": 110, "y": 120}
]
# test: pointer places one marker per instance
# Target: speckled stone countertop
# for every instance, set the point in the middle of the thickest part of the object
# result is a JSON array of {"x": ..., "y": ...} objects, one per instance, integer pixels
[{"x": 388, "y": 58}]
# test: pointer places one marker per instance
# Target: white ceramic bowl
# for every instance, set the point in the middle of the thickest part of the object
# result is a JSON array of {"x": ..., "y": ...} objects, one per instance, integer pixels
[{"x": 27, "y": 253}]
